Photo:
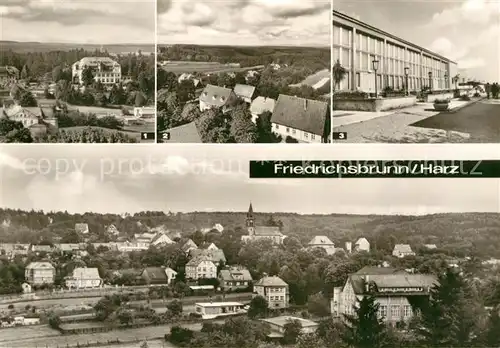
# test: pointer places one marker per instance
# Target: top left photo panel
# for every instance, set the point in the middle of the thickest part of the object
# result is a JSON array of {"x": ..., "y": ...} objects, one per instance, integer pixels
[{"x": 77, "y": 71}]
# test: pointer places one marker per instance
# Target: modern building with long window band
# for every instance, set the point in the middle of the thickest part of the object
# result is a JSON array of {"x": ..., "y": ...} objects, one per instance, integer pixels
[{"x": 357, "y": 45}]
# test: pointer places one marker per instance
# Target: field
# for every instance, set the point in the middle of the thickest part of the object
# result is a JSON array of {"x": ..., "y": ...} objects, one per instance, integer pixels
[
  {"x": 316, "y": 80},
  {"x": 98, "y": 111},
  {"x": 208, "y": 67},
  {"x": 24, "y": 47}
]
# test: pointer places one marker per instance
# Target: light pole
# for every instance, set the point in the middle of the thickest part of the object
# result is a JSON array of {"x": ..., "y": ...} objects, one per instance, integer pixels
[
  {"x": 375, "y": 68},
  {"x": 407, "y": 72},
  {"x": 430, "y": 81}
]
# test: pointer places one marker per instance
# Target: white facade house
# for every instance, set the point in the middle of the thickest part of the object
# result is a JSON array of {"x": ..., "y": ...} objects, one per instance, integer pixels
[
  {"x": 362, "y": 244},
  {"x": 201, "y": 268},
  {"x": 260, "y": 105},
  {"x": 402, "y": 250},
  {"x": 83, "y": 278},
  {"x": 39, "y": 273},
  {"x": 171, "y": 275},
  {"x": 82, "y": 228},
  {"x": 215, "y": 97},
  {"x": 274, "y": 290},
  {"x": 105, "y": 70}
]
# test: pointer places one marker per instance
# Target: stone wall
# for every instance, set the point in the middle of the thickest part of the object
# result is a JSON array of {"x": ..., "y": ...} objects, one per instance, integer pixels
[{"x": 373, "y": 105}]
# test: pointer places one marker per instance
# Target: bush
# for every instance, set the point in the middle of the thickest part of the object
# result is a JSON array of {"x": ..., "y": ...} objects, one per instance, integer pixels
[
  {"x": 477, "y": 95},
  {"x": 351, "y": 95},
  {"x": 465, "y": 97}
]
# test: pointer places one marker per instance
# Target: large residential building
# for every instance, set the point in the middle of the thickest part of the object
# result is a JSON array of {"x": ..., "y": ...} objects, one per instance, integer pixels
[
  {"x": 83, "y": 278},
  {"x": 39, "y": 273},
  {"x": 356, "y": 45},
  {"x": 394, "y": 291},
  {"x": 274, "y": 290},
  {"x": 402, "y": 250},
  {"x": 217, "y": 97},
  {"x": 305, "y": 120},
  {"x": 8, "y": 75},
  {"x": 104, "y": 69},
  {"x": 255, "y": 233},
  {"x": 234, "y": 277},
  {"x": 201, "y": 268}
]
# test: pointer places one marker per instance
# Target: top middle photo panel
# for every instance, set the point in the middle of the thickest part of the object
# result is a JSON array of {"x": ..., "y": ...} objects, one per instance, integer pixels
[{"x": 239, "y": 71}]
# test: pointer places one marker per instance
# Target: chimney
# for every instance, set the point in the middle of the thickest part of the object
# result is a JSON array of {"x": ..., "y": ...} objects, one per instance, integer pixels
[{"x": 305, "y": 104}]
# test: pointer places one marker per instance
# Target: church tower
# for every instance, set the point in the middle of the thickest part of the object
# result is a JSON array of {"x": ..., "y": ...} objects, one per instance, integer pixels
[{"x": 250, "y": 221}]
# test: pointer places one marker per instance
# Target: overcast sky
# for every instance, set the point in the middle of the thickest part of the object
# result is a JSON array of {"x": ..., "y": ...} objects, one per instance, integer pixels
[
  {"x": 122, "y": 178},
  {"x": 465, "y": 31},
  {"x": 244, "y": 22},
  {"x": 78, "y": 21}
]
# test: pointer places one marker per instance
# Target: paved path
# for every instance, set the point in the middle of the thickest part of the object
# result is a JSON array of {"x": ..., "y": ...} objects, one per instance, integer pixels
[{"x": 419, "y": 124}]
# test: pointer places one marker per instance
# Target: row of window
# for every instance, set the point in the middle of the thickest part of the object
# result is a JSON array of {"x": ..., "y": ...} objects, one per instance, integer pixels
[
  {"x": 276, "y": 298},
  {"x": 396, "y": 82},
  {"x": 397, "y": 311},
  {"x": 293, "y": 131},
  {"x": 235, "y": 283},
  {"x": 276, "y": 289}
]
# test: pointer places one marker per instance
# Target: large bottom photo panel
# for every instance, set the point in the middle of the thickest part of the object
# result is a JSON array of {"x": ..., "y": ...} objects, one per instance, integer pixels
[{"x": 148, "y": 246}]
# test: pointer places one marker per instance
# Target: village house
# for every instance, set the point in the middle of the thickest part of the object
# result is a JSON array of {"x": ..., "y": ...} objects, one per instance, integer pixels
[
  {"x": 277, "y": 325},
  {"x": 362, "y": 244},
  {"x": 84, "y": 278},
  {"x": 155, "y": 275},
  {"x": 305, "y": 120},
  {"x": 244, "y": 92},
  {"x": 274, "y": 290},
  {"x": 161, "y": 239},
  {"x": 40, "y": 273},
  {"x": 217, "y": 97},
  {"x": 209, "y": 246},
  {"x": 393, "y": 291},
  {"x": 272, "y": 233},
  {"x": 82, "y": 228},
  {"x": 215, "y": 255},
  {"x": 188, "y": 246},
  {"x": 430, "y": 246},
  {"x": 41, "y": 248},
  {"x": 235, "y": 277},
  {"x": 171, "y": 275},
  {"x": 37, "y": 120},
  {"x": 112, "y": 230},
  {"x": 201, "y": 268},
  {"x": 402, "y": 250},
  {"x": 8, "y": 75},
  {"x": 322, "y": 242},
  {"x": 260, "y": 105}
]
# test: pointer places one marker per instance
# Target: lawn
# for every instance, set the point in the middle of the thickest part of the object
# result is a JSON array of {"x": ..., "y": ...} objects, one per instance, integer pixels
[
  {"x": 316, "y": 80},
  {"x": 189, "y": 67},
  {"x": 97, "y": 110}
]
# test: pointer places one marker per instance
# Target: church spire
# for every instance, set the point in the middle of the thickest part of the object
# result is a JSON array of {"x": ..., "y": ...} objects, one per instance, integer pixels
[
  {"x": 250, "y": 220},
  {"x": 250, "y": 210}
]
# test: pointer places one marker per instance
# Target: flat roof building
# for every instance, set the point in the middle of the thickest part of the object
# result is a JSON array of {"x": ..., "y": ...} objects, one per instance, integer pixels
[{"x": 356, "y": 45}]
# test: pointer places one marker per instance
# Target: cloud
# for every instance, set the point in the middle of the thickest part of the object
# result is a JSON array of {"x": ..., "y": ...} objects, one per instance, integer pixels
[
  {"x": 247, "y": 22},
  {"x": 470, "y": 63},
  {"x": 470, "y": 11},
  {"x": 11, "y": 162}
]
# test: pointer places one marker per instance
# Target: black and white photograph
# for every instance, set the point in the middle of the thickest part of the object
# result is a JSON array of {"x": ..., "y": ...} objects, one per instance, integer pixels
[
  {"x": 131, "y": 246},
  {"x": 416, "y": 72},
  {"x": 244, "y": 71},
  {"x": 77, "y": 71}
]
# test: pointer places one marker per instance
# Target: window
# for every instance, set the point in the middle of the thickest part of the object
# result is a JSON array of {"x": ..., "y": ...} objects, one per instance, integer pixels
[
  {"x": 358, "y": 80},
  {"x": 287, "y": 130},
  {"x": 365, "y": 43},
  {"x": 395, "y": 312},
  {"x": 277, "y": 126},
  {"x": 336, "y": 54},
  {"x": 294, "y": 131},
  {"x": 336, "y": 35},
  {"x": 345, "y": 58},
  {"x": 365, "y": 63},
  {"x": 345, "y": 37},
  {"x": 306, "y": 135},
  {"x": 407, "y": 311},
  {"x": 312, "y": 136},
  {"x": 382, "y": 311}
]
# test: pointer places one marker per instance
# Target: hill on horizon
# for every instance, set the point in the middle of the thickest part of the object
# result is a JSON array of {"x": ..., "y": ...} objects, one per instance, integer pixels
[{"x": 26, "y": 47}]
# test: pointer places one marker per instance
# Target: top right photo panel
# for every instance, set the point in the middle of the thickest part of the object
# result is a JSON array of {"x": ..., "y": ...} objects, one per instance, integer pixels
[{"x": 416, "y": 72}]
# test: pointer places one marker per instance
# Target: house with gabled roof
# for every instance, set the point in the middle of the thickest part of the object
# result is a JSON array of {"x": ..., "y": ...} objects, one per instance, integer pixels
[
  {"x": 234, "y": 277},
  {"x": 83, "y": 278},
  {"x": 39, "y": 273},
  {"x": 201, "y": 267},
  {"x": 188, "y": 246},
  {"x": 305, "y": 120},
  {"x": 322, "y": 242},
  {"x": 402, "y": 250},
  {"x": 154, "y": 275},
  {"x": 274, "y": 290},
  {"x": 82, "y": 228},
  {"x": 396, "y": 292},
  {"x": 260, "y": 105},
  {"x": 186, "y": 133},
  {"x": 255, "y": 233},
  {"x": 215, "y": 255},
  {"x": 112, "y": 230},
  {"x": 217, "y": 97},
  {"x": 244, "y": 92},
  {"x": 362, "y": 244}
]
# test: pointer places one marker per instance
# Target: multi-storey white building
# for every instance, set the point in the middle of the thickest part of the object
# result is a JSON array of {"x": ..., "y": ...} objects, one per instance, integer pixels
[
  {"x": 201, "y": 268},
  {"x": 39, "y": 273},
  {"x": 83, "y": 278},
  {"x": 104, "y": 69},
  {"x": 274, "y": 290},
  {"x": 356, "y": 45}
]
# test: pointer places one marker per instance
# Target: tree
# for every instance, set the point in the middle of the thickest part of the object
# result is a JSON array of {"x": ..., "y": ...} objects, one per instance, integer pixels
[
  {"x": 54, "y": 321},
  {"x": 7, "y": 125},
  {"x": 25, "y": 72},
  {"x": 125, "y": 316},
  {"x": 140, "y": 100},
  {"x": 310, "y": 340},
  {"x": 491, "y": 338},
  {"x": 175, "y": 307},
  {"x": 27, "y": 99},
  {"x": 243, "y": 130},
  {"x": 364, "y": 328},
  {"x": 265, "y": 132},
  {"x": 144, "y": 344},
  {"x": 87, "y": 76},
  {"x": 338, "y": 74},
  {"x": 19, "y": 136},
  {"x": 258, "y": 307},
  {"x": 292, "y": 330},
  {"x": 318, "y": 305},
  {"x": 179, "y": 335},
  {"x": 442, "y": 320}
]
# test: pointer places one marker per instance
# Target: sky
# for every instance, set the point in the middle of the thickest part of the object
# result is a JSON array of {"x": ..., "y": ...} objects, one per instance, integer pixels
[
  {"x": 466, "y": 31},
  {"x": 78, "y": 21},
  {"x": 129, "y": 178},
  {"x": 244, "y": 22}
]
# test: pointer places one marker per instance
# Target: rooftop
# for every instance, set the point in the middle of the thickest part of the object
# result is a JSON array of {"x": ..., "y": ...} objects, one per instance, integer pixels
[
  {"x": 215, "y": 95},
  {"x": 271, "y": 281},
  {"x": 282, "y": 320},
  {"x": 218, "y": 304},
  {"x": 187, "y": 133}
]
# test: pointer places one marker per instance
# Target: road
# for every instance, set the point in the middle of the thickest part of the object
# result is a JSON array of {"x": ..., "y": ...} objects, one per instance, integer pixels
[
  {"x": 481, "y": 120},
  {"x": 90, "y": 301}
]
